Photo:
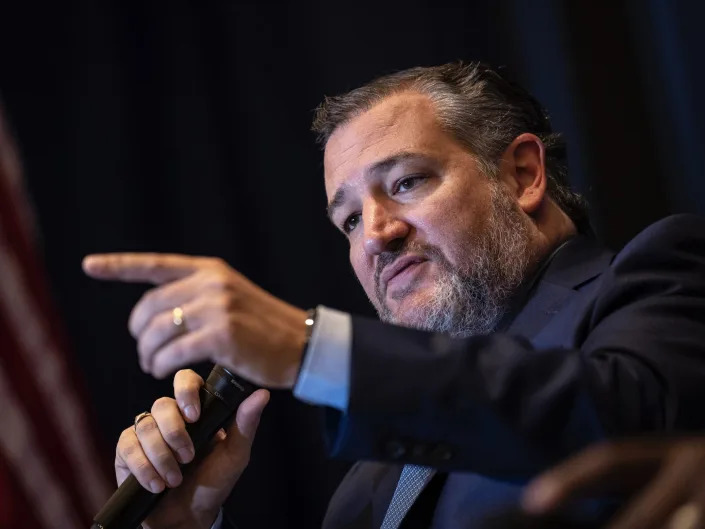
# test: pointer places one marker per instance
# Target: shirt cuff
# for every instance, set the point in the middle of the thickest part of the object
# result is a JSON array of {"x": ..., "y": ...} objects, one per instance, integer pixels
[{"x": 324, "y": 378}]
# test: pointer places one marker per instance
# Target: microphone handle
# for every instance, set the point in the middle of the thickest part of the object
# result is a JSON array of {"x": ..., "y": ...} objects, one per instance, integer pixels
[{"x": 220, "y": 396}]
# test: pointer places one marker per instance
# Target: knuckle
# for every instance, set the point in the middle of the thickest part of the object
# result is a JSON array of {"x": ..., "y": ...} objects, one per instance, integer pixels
[
  {"x": 223, "y": 303},
  {"x": 125, "y": 435},
  {"x": 216, "y": 262},
  {"x": 147, "y": 426},
  {"x": 132, "y": 323},
  {"x": 162, "y": 403},
  {"x": 154, "y": 266},
  {"x": 234, "y": 302},
  {"x": 184, "y": 374},
  {"x": 127, "y": 449},
  {"x": 177, "y": 352},
  {"x": 164, "y": 460},
  {"x": 175, "y": 437},
  {"x": 187, "y": 382},
  {"x": 142, "y": 347},
  {"x": 143, "y": 469},
  {"x": 147, "y": 341},
  {"x": 222, "y": 300},
  {"x": 148, "y": 299},
  {"x": 191, "y": 388},
  {"x": 233, "y": 325},
  {"x": 217, "y": 281}
]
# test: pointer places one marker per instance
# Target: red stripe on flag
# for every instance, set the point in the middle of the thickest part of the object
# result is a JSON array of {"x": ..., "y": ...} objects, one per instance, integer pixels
[
  {"x": 15, "y": 509},
  {"x": 23, "y": 384},
  {"x": 39, "y": 383}
]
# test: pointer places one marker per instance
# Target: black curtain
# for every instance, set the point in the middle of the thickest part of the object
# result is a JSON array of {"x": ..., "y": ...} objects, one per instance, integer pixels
[{"x": 184, "y": 127}]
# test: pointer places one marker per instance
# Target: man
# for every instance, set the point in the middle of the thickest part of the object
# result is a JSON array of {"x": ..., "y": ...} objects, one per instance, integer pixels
[{"x": 527, "y": 341}]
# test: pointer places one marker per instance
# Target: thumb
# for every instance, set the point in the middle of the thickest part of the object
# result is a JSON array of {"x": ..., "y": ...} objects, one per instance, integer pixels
[
  {"x": 231, "y": 450},
  {"x": 247, "y": 419}
]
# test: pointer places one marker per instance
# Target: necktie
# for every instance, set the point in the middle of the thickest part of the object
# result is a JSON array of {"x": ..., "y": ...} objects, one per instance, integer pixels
[{"x": 411, "y": 482}]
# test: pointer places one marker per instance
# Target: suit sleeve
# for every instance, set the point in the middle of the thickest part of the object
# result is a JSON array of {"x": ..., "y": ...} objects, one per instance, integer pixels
[{"x": 498, "y": 406}]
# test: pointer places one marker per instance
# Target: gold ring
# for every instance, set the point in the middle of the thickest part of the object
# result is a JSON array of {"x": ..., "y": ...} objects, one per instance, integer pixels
[
  {"x": 141, "y": 416},
  {"x": 177, "y": 316}
]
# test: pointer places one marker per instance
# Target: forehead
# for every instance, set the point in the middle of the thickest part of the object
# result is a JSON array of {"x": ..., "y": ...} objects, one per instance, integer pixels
[{"x": 401, "y": 122}]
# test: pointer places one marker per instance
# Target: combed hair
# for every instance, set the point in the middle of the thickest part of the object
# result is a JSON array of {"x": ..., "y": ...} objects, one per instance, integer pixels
[{"x": 480, "y": 108}]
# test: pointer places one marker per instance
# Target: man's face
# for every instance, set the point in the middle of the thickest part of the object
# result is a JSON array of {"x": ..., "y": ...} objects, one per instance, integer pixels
[{"x": 425, "y": 225}]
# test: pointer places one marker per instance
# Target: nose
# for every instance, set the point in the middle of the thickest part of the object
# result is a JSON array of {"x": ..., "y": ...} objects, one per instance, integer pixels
[{"x": 385, "y": 230}]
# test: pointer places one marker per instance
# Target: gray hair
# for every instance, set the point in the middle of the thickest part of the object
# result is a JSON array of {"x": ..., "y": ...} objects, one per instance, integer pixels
[{"x": 481, "y": 108}]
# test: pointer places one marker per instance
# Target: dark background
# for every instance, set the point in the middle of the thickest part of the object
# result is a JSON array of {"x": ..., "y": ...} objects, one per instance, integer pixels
[{"x": 183, "y": 127}]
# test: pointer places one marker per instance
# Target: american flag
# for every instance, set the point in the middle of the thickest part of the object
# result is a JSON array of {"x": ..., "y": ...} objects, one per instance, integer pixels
[{"x": 50, "y": 473}]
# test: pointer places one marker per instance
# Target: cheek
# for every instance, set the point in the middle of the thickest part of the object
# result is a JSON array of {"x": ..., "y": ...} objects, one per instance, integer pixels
[
  {"x": 363, "y": 269},
  {"x": 451, "y": 226}
]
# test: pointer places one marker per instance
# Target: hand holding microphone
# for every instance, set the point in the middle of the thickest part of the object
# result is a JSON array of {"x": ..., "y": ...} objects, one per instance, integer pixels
[
  {"x": 153, "y": 449},
  {"x": 200, "y": 309}
]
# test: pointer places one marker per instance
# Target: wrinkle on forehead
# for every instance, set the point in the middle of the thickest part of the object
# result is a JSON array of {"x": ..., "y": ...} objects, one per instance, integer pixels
[{"x": 400, "y": 119}]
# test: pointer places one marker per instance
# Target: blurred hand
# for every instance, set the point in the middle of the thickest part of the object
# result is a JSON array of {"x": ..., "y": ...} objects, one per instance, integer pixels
[
  {"x": 153, "y": 450},
  {"x": 228, "y": 319},
  {"x": 667, "y": 477}
]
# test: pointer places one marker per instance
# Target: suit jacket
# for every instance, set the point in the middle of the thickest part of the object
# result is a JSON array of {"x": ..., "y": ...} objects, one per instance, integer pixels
[{"x": 602, "y": 345}]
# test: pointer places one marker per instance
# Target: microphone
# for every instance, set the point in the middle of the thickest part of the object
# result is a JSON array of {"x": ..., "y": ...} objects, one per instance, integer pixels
[{"x": 220, "y": 397}]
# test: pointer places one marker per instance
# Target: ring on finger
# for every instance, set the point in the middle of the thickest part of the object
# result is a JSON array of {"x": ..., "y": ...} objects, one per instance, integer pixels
[
  {"x": 178, "y": 319},
  {"x": 141, "y": 416}
]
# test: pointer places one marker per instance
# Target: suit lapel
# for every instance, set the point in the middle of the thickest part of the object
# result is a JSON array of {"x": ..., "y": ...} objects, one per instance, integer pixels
[{"x": 577, "y": 263}]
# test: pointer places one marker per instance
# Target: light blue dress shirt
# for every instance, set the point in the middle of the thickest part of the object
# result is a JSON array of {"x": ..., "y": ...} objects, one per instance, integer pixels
[{"x": 324, "y": 379}]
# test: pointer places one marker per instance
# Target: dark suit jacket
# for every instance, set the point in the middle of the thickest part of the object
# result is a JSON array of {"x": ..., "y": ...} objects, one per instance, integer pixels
[{"x": 602, "y": 345}]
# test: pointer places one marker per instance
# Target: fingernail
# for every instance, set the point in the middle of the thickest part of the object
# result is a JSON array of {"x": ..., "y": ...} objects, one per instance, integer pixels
[
  {"x": 156, "y": 485},
  {"x": 538, "y": 497},
  {"x": 185, "y": 454},
  {"x": 191, "y": 412},
  {"x": 173, "y": 478}
]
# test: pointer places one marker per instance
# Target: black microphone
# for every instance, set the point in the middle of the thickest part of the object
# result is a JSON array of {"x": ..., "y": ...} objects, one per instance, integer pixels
[{"x": 220, "y": 397}]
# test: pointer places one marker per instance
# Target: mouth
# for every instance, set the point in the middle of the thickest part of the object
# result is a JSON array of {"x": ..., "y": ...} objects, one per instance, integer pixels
[{"x": 401, "y": 268}]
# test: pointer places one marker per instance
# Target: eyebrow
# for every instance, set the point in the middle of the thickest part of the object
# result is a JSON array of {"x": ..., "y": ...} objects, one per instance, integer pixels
[{"x": 382, "y": 166}]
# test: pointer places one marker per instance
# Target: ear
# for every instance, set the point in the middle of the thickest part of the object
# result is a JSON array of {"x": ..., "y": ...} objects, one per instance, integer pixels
[{"x": 523, "y": 169}]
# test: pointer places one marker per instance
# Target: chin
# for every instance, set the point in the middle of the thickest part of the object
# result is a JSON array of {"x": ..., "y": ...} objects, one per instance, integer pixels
[{"x": 411, "y": 310}]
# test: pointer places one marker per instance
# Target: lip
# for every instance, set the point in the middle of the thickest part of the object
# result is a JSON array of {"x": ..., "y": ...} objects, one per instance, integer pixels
[{"x": 398, "y": 266}]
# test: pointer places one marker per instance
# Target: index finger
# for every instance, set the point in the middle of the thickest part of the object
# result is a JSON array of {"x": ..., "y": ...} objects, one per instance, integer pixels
[
  {"x": 187, "y": 384},
  {"x": 154, "y": 268}
]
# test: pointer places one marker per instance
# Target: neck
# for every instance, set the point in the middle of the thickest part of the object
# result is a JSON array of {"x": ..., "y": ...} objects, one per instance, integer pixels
[{"x": 551, "y": 228}]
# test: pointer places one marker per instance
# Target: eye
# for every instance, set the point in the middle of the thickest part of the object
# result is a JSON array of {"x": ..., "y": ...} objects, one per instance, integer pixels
[
  {"x": 350, "y": 223},
  {"x": 408, "y": 183}
]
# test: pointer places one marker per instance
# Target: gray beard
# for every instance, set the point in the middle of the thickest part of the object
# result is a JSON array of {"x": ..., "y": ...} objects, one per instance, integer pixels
[{"x": 471, "y": 301}]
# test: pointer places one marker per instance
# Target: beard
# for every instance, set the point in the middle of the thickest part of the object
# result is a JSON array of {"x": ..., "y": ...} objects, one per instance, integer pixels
[{"x": 470, "y": 299}]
